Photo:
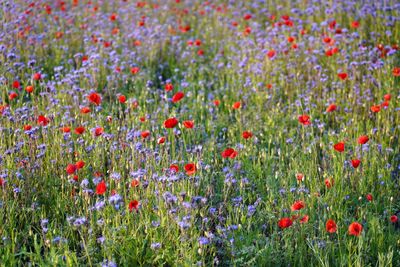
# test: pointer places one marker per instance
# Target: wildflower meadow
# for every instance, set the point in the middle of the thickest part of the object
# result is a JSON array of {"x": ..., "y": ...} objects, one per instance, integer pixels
[{"x": 199, "y": 133}]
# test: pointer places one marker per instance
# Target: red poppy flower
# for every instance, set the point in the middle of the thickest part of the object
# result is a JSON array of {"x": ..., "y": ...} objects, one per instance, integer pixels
[
  {"x": 363, "y": 139},
  {"x": 177, "y": 97},
  {"x": 327, "y": 40},
  {"x": 216, "y": 102},
  {"x": 185, "y": 28},
  {"x": 329, "y": 182},
  {"x": 98, "y": 131},
  {"x": 394, "y": 219},
  {"x": 71, "y": 168},
  {"x": 42, "y": 120},
  {"x": 355, "y": 24},
  {"x": 135, "y": 183},
  {"x": 122, "y": 99},
  {"x": 342, "y": 75},
  {"x": 188, "y": 124},
  {"x": 289, "y": 23},
  {"x": 80, "y": 164},
  {"x": 2, "y": 108},
  {"x": 339, "y": 147},
  {"x": 133, "y": 205},
  {"x": 145, "y": 134},
  {"x": 247, "y": 31},
  {"x": 29, "y": 89},
  {"x": 101, "y": 188},
  {"x": 94, "y": 98},
  {"x": 285, "y": 223},
  {"x": 66, "y": 129},
  {"x": 168, "y": 87},
  {"x": 396, "y": 71},
  {"x": 335, "y": 50},
  {"x": 376, "y": 108},
  {"x": 247, "y": 134},
  {"x": 190, "y": 168},
  {"x": 331, "y": 108},
  {"x": 387, "y": 97},
  {"x": 229, "y": 153},
  {"x": 58, "y": 35},
  {"x": 12, "y": 95},
  {"x": 2, "y": 182},
  {"x": 200, "y": 52},
  {"x": 299, "y": 177},
  {"x": 385, "y": 104},
  {"x": 27, "y": 127},
  {"x": 304, "y": 119},
  {"x": 94, "y": 39},
  {"x": 304, "y": 219},
  {"x": 290, "y": 39},
  {"x": 37, "y": 76},
  {"x": 298, "y": 205},
  {"x": 161, "y": 140},
  {"x": 85, "y": 110},
  {"x": 113, "y": 17},
  {"x": 16, "y": 84},
  {"x": 355, "y": 163},
  {"x": 285, "y": 17},
  {"x": 332, "y": 24},
  {"x": 271, "y": 53},
  {"x": 115, "y": 31},
  {"x": 236, "y": 105},
  {"x": 331, "y": 226},
  {"x": 355, "y": 229},
  {"x": 79, "y": 130},
  {"x": 329, "y": 53},
  {"x": 197, "y": 42},
  {"x": 135, "y": 70},
  {"x": 369, "y": 197},
  {"x": 170, "y": 123},
  {"x": 247, "y": 16},
  {"x": 174, "y": 168}
]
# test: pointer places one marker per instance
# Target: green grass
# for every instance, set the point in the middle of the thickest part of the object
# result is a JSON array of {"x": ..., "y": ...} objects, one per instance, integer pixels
[{"x": 266, "y": 165}]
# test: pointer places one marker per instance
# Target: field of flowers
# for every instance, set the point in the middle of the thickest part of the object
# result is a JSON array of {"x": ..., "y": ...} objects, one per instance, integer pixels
[{"x": 199, "y": 133}]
